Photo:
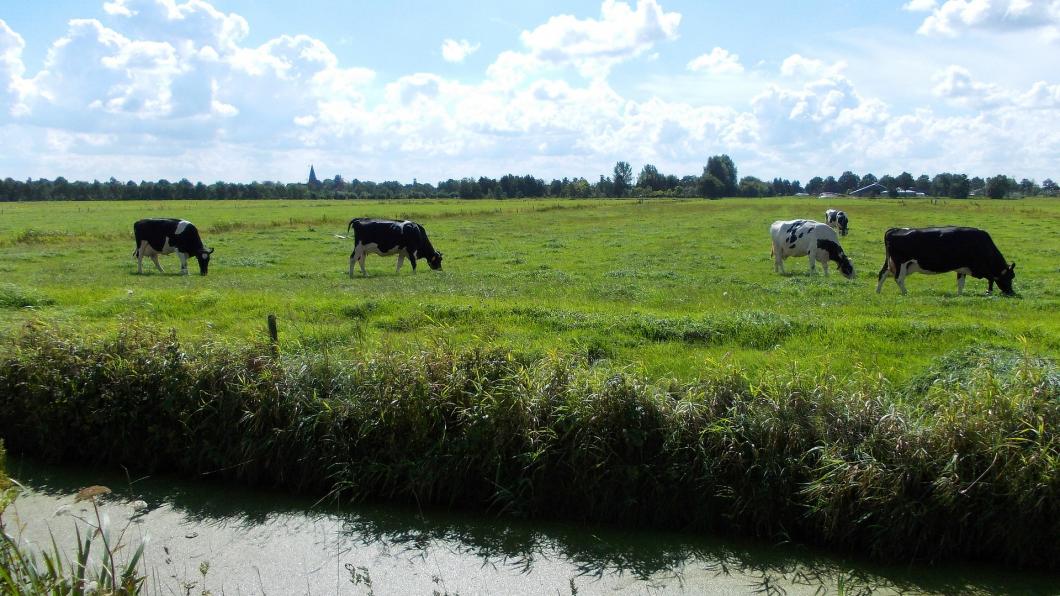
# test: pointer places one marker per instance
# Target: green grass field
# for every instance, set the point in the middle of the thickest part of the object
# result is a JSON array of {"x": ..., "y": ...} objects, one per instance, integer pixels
[{"x": 663, "y": 286}]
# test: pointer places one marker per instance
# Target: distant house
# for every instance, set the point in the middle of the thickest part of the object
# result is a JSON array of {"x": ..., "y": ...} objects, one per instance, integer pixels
[
  {"x": 802, "y": 194},
  {"x": 908, "y": 192},
  {"x": 827, "y": 195},
  {"x": 871, "y": 190}
]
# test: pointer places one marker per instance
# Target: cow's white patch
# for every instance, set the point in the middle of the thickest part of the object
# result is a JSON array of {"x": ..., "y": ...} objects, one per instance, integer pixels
[
  {"x": 181, "y": 225},
  {"x": 373, "y": 248}
]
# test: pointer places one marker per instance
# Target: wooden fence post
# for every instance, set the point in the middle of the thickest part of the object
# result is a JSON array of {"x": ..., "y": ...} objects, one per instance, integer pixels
[{"x": 274, "y": 336}]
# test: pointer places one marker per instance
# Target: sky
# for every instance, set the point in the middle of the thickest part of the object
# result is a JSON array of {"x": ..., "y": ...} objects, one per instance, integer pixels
[{"x": 242, "y": 90}]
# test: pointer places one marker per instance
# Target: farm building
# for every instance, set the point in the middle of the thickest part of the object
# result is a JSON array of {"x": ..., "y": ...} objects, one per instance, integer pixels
[{"x": 871, "y": 190}]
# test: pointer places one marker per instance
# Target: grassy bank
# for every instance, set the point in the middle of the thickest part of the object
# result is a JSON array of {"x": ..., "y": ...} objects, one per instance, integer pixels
[{"x": 961, "y": 461}]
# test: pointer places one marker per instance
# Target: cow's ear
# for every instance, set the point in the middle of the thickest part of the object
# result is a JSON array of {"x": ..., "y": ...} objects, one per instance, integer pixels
[
  {"x": 210, "y": 252},
  {"x": 1012, "y": 267}
]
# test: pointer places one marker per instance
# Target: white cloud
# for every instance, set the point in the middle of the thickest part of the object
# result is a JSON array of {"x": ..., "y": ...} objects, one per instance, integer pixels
[
  {"x": 457, "y": 51},
  {"x": 919, "y": 5},
  {"x": 594, "y": 46},
  {"x": 194, "y": 23},
  {"x": 13, "y": 88},
  {"x": 718, "y": 61},
  {"x": 797, "y": 65},
  {"x": 953, "y": 17},
  {"x": 956, "y": 83}
]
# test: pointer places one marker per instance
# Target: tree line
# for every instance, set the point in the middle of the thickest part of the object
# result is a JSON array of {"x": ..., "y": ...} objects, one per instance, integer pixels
[{"x": 718, "y": 179}]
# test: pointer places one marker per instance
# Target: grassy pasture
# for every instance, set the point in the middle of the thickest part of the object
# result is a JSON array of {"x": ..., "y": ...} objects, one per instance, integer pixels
[{"x": 666, "y": 287}]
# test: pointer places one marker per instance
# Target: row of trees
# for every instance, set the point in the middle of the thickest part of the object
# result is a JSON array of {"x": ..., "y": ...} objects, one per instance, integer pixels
[
  {"x": 957, "y": 186},
  {"x": 718, "y": 179}
]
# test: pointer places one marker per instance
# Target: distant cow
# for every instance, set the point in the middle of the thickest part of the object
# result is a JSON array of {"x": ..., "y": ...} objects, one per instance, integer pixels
[
  {"x": 837, "y": 220},
  {"x": 968, "y": 251},
  {"x": 813, "y": 239},
  {"x": 386, "y": 237},
  {"x": 165, "y": 236}
]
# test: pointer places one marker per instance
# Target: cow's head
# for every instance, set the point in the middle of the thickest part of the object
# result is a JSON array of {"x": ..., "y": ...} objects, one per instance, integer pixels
[
  {"x": 435, "y": 261},
  {"x": 835, "y": 253},
  {"x": 845, "y": 266},
  {"x": 203, "y": 256},
  {"x": 841, "y": 219},
  {"x": 1004, "y": 281}
]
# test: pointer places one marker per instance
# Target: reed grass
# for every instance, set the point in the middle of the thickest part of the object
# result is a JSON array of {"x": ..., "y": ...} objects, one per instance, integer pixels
[
  {"x": 959, "y": 463},
  {"x": 29, "y": 570}
]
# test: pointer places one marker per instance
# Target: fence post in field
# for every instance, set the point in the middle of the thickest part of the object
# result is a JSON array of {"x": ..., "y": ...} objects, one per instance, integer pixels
[{"x": 274, "y": 336}]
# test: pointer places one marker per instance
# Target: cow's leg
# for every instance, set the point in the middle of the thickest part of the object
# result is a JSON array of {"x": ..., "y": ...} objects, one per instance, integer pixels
[
  {"x": 353, "y": 259},
  {"x": 139, "y": 254},
  {"x": 990, "y": 286},
  {"x": 362, "y": 257},
  {"x": 813, "y": 260},
  {"x": 778, "y": 260},
  {"x": 183, "y": 262},
  {"x": 412, "y": 261},
  {"x": 960, "y": 283},
  {"x": 824, "y": 265},
  {"x": 401, "y": 259},
  {"x": 903, "y": 271},
  {"x": 882, "y": 277},
  {"x": 154, "y": 258}
]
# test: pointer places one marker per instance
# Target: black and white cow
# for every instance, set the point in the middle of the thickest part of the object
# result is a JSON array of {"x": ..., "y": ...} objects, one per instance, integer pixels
[
  {"x": 813, "y": 239},
  {"x": 837, "y": 220},
  {"x": 165, "y": 236},
  {"x": 968, "y": 251},
  {"x": 387, "y": 237}
]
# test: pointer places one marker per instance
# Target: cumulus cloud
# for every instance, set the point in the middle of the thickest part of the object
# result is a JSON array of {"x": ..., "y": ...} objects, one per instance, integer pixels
[
  {"x": 594, "y": 46},
  {"x": 956, "y": 84},
  {"x": 954, "y": 17},
  {"x": 13, "y": 88},
  {"x": 718, "y": 61},
  {"x": 797, "y": 65},
  {"x": 457, "y": 51}
]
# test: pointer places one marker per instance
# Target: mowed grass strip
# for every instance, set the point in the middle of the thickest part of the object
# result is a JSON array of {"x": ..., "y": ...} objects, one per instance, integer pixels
[{"x": 664, "y": 286}]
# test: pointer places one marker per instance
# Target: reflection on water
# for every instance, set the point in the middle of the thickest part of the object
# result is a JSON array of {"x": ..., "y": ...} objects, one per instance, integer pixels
[{"x": 592, "y": 558}]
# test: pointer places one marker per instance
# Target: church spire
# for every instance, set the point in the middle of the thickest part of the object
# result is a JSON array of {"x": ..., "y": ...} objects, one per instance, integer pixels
[{"x": 313, "y": 182}]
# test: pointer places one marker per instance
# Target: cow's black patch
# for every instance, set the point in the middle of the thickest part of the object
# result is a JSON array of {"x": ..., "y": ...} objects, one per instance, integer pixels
[
  {"x": 948, "y": 249},
  {"x": 793, "y": 231}
]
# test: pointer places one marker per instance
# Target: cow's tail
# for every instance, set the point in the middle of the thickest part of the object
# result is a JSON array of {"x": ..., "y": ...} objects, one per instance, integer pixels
[
  {"x": 350, "y": 226},
  {"x": 888, "y": 260}
]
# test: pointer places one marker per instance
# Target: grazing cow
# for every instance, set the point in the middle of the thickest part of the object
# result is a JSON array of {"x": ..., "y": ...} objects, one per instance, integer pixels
[
  {"x": 164, "y": 236},
  {"x": 968, "y": 251},
  {"x": 837, "y": 220},
  {"x": 386, "y": 237},
  {"x": 811, "y": 238}
]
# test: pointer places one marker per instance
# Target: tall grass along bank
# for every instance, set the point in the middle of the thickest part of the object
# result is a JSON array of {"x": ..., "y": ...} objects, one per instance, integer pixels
[{"x": 963, "y": 462}]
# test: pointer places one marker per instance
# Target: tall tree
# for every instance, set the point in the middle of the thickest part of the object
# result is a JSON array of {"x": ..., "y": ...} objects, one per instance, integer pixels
[
  {"x": 848, "y": 181},
  {"x": 815, "y": 186},
  {"x": 998, "y": 186},
  {"x": 709, "y": 186},
  {"x": 722, "y": 168},
  {"x": 1050, "y": 188},
  {"x": 649, "y": 178},
  {"x": 923, "y": 184},
  {"x": 623, "y": 179}
]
